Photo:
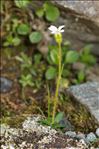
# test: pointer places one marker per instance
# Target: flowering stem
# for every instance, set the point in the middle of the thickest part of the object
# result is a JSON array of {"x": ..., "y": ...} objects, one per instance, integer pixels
[
  {"x": 48, "y": 101},
  {"x": 23, "y": 92},
  {"x": 58, "y": 82}
]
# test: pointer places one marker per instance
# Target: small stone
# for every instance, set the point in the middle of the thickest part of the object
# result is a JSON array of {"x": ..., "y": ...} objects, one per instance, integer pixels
[
  {"x": 80, "y": 136},
  {"x": 97, "y": 132},
  {"x": 67, "y": 125},
  {"x": 91, "y": 137},
  {"x": 71, "y": 134},
  {"x": 5, "y": 84}
]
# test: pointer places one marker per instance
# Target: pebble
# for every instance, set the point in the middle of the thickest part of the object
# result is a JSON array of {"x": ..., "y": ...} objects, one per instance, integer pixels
[
  {"x": 5, "y": 84},
  {"x": 91, "y": 137},
  {"x": 66, "y": 123},
  {"x": 80, "y": 136},
  {"x": 97, "y": 132},
  {"x": 71, "y": 134}
]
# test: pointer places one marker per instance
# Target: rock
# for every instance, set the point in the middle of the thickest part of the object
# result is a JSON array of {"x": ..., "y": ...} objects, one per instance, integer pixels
[
  {"x": 71, "y": 134},
  {"x": 32, "y": 134},
  {"x": 88, "y": 8},
  {"x": 67, "y": 125},
  {"x": 87, "y": 94},
  {"x": 5, "y": 84},
  {"x": 97, "y": 132},
  {"x": 91, "y": 137},
  {"x": 80, "y": 136},
  {"x": 31, "y": 124},
  {"x": 81, "y": 20}
]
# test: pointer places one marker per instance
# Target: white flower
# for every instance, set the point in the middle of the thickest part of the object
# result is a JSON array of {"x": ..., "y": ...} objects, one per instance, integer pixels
[{"x": 55, "y": 30}]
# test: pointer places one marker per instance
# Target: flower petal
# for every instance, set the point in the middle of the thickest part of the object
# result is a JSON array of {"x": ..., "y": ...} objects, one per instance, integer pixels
[
  {"x": 53, "y": 28},
  {"x": 61, "y": 27},
  {"x": 61, "y": 31}
]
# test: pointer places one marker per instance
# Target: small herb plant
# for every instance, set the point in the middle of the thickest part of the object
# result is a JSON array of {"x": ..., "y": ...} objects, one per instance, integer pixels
[
  {"x": 54, "y": 119},
  {"x": 59, "y": 57},
  {"x": 25, "y": 80},
  {"x": 30, "y": 72}
]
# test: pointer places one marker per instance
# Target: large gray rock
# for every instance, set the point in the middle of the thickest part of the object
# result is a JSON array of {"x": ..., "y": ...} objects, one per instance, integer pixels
[
  {"x": 81, "y": 20},
  {"x": 33, "y": 135},
  {"x": 88, "y": 95},
  {"x": 88, "y": 8}
]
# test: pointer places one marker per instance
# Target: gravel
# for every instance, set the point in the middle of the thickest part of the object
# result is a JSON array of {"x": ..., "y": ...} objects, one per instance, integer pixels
[
  {"x": 97, "y": 132},
  {"x": 91, "y": 137},
  {"x": 71, "y": 134},
  {"x": 80, "y": 136}
]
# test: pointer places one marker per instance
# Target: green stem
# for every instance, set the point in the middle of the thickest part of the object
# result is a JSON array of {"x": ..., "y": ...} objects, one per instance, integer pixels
[
  {"x": 23, "y": 93},
  {"x": 48, "y": 101},
  {"x": 58, "y": 83}
]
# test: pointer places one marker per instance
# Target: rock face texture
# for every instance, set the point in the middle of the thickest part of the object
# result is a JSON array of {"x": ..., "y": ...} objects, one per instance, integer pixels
[
  {"x": 32, "y": 135},
  {"x": 88, "y": 95},
  {"x": 81, "y": 20},
  {"x": 89, "y": 8}
]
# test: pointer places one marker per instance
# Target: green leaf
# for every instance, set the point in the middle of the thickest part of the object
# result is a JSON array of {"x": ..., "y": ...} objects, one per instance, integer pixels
[
  {"x": 16, "y": 41},
  {"x": 64, "y": 83},
  {"x": 37, "y": 58},
  {"x": 71, "y": 57},
  {"x": 54, "y": 56},
  {"x": 21, "y": 3},
  {"x": 66, "y": 73},
  {"x": 40, "y": 12},
  {"x": 50, "y": 73},
  {"x": 35, "y": 37},
  {"x": 87, "y": 49},
  {"x": 59, "y": 117},
  {"x": 23, "y": 29},
  {"x": 26, "y": 80},
  {"x": 51, "y": 12},
  {"x": 46, "y": 121},
  {"x": 81, "y": 76},
  {"x": 88, "y": 59}
]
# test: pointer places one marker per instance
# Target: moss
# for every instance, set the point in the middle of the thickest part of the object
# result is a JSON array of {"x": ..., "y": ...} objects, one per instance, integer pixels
[
  {"x": 78, "y": 115},
  {"x": 14, "y": 121}
]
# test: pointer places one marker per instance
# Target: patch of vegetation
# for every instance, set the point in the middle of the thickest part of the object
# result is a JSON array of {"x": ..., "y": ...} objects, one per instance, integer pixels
[
  {"x": 77, "y": 114},
  {"x": 54, "y": 68}
]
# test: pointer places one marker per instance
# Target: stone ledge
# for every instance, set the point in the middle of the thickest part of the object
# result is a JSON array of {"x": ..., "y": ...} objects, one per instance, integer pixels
[{"x": 87, "y": 94}]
